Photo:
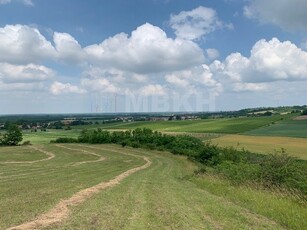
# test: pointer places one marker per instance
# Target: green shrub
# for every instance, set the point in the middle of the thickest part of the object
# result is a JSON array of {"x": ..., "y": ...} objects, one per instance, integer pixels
[
  {"x": 281, "y": 169},
  {"x": 12, "y": 137},
  {"x": 209, "y": 154}
]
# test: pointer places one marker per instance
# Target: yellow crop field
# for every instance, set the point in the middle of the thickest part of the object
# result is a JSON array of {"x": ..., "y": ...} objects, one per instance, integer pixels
[{"x": 262, "y": 144}]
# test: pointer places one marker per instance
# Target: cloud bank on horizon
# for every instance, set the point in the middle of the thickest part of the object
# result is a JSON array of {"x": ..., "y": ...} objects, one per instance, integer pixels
[{"x": 150, "y": 61}]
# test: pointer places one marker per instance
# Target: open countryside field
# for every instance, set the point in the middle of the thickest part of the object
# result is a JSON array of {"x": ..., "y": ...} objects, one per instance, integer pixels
[
  {"x": 261, "y": 144},
  {"x": 40, "y": 137},
  {"x": 129, "y": 189},
  {"x": 285, "y": 128},
  {"x": 227, "y": 125}
]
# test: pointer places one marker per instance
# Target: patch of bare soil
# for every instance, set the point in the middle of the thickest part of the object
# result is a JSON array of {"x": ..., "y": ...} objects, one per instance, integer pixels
[
  {"x": 299, "y": 118},
  {"x": 101, "y": 158},
  {"x": 49, "y": 154},
  {"x": 61, "y": 210}
]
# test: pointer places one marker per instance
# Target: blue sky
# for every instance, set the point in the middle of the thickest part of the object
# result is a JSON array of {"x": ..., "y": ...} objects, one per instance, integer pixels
[{"x": 76, "y": 56}]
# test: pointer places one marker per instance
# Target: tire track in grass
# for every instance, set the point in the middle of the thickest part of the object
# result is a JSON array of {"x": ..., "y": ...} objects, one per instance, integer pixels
[
  {"x": 61, "y": 210},
  {"x": 101, "y": 158},
  {"x": 49, "y": 154}
]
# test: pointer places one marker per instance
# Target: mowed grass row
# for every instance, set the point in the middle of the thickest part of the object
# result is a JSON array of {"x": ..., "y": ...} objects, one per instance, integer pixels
[
  {"x": 296, "y": 147},
  {"x": 167, "y": 196},
  {"x": 31, "y": 189}
]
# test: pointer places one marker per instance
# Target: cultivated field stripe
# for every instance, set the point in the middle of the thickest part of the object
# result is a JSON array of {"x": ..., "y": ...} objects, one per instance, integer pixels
[
  {"x": 61, "y": 210},
  {"x": 49, "y": 154},
  {"x": 101, "y": 158}
]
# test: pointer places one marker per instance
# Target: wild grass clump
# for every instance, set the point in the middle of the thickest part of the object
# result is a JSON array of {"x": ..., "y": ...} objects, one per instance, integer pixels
[{"x": 26, "y": 143}]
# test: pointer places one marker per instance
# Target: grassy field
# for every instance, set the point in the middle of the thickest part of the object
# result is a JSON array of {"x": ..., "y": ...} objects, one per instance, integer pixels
[
  {"x": 229, "y": 125},
  {"x": 261, "y": 144},
  {"x": 286, "y": 128},
  {"x": 9, "y": 154},
  {"x": 51, "y": 134},
  {"x": 165, "y": 195}
]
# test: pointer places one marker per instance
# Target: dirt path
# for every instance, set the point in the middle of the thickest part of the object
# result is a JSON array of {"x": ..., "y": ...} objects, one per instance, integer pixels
[
  {"x": 61, "y": 210},
  {"x": 101, "y": 158},
  {"x": 49, "y": 154}
]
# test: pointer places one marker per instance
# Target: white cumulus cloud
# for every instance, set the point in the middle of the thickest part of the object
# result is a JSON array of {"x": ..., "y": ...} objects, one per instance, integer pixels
[
  {"x": 26, "y": 2},
  {"x": 147, "y": 50},
  {"x": 194, "y": 24},
  {"x": 23, "y": 44},
  {"x": 24, "y": 73},
  {"x": 58, "y": 88},
  {"x": 269, "y": 61},
  {"x": 68, "y": 48},
  {"x": 195, "y": 79},
  {"x": 288, "y": 14},
  {"x": 153, "y": 90},
  {"x": 102, "y": 85}
]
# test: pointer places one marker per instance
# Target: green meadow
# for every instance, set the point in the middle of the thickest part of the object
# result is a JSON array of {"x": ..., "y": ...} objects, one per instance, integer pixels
[
  {"x": 285, "y": 128},
  {"x": 165, "y": 195}
]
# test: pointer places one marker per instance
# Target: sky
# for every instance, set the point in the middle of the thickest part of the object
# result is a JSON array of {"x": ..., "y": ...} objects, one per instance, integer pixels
[{"x": 101, "y": 56}]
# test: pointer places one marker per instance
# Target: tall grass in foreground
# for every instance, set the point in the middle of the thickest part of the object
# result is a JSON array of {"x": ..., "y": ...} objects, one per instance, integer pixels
[{"x": 275, "y": 203}]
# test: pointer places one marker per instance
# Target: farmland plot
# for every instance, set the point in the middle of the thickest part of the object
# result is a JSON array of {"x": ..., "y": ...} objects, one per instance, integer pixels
[{"x": 118, "y": 188}]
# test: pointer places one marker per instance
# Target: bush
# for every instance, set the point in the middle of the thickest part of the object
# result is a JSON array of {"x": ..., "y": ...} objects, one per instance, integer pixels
[
  {"x": 239, "y": 172},
  {"x": 12, "y": 137},
  {"x": 209, "y": 154},
  {"x": 233, "y": 155},
  {"x": 281, "y": 169}
]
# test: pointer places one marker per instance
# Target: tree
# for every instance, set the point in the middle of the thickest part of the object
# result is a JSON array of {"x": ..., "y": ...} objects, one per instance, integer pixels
[
  {"x": 304, "y": 112},
  {"x": 13, "y": 136}
]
